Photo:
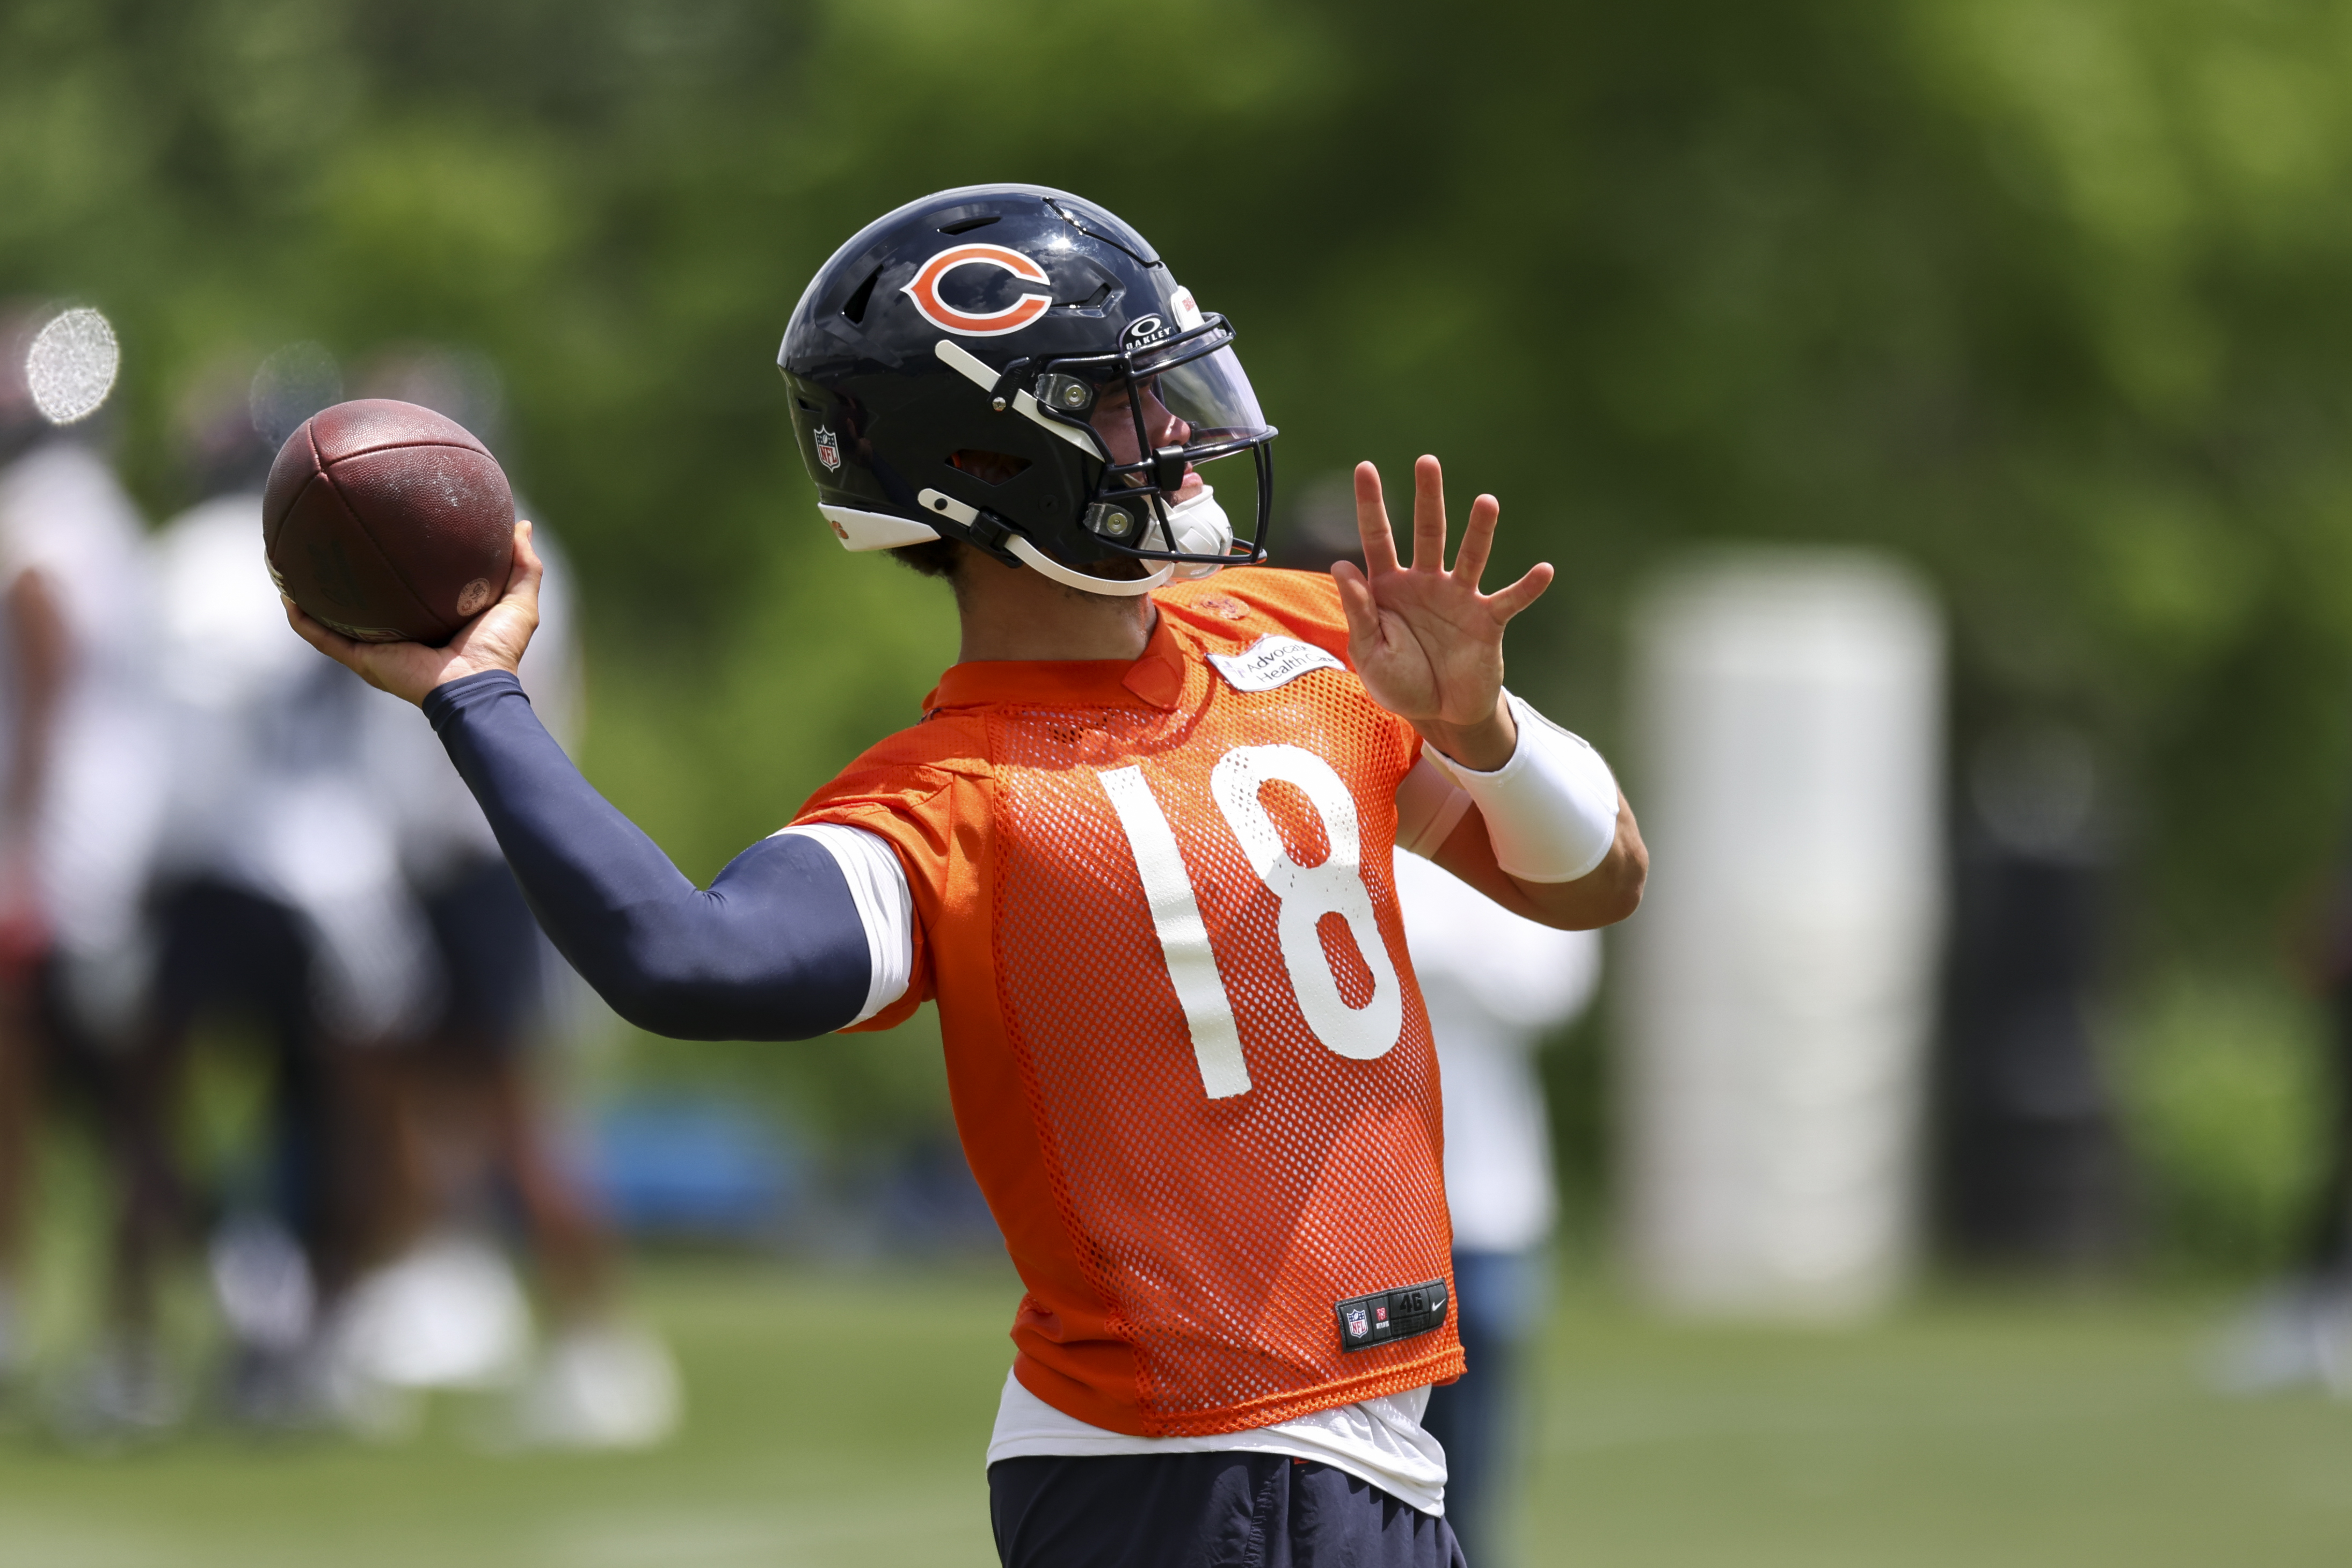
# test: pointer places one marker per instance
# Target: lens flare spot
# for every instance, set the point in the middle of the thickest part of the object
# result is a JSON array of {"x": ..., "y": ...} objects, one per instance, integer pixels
[{"x": 70, "y": 367}]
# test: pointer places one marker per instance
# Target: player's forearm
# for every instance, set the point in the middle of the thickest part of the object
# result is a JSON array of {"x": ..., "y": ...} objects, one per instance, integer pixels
[
  {"x": 1551, "y": 836},
  {"x": 775, "y": 950},
  {"x": 1607, "y": 893}
]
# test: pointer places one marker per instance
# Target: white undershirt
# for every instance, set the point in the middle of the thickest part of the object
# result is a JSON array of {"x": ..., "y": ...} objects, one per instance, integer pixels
[{"x": 1378, "y": 1441}]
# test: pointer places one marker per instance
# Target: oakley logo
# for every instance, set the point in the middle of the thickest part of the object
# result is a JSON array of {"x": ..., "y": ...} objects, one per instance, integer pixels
[
  {"x": 924, "y": 292},
  {"x": 1145, "y": 329}
]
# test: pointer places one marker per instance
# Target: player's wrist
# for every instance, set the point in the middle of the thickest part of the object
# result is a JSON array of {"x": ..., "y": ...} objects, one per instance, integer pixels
[
  {"x": 1551, "y": 806},
  {"x": 1484, "y": 745},
  {"x": 464, "y": 668}
]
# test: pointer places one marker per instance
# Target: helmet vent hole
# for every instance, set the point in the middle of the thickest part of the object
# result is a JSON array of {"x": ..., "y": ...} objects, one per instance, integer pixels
[
  {"x": 1095, "y": 301},
  {"x": 988, "y": 467},
  {"x": 965, "y": 225},
  {"x": 856, "y": 308}
]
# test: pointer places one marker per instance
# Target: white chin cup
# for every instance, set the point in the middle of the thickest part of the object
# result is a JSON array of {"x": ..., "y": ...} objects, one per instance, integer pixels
[{"x": 1200, "y": 526}]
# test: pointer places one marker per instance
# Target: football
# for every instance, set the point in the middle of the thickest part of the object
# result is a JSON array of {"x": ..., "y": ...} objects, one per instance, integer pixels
[{"x": 388, "y": 522}]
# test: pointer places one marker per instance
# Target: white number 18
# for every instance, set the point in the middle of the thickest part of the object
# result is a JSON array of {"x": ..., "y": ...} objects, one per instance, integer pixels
[{"x": 1305, "y": 893}]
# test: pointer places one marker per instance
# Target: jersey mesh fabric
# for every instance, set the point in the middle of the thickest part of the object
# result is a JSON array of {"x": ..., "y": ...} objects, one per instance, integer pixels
[{"x": 1182, "y": 1254}]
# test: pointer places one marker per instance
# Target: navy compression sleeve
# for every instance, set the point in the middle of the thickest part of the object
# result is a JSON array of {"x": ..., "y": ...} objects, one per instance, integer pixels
[{"x": 773, "y": 950}]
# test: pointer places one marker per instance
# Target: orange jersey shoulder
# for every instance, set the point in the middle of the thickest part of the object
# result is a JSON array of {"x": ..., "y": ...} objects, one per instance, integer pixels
[
  {"x": 906, "y": 767},
  {"x": 915, "y": 790},
  {"x": 1244, "y": 603}
]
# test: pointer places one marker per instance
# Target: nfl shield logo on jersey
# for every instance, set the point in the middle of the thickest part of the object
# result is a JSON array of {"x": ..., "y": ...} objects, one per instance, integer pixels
[
  {"x": 1356, "y": 1324},
  {"x": 828, "y": 449}
]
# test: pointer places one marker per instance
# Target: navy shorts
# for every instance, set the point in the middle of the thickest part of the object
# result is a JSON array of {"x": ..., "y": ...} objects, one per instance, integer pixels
[
  {"x": 1203, "y": 1511},
  {"x": 489, "y": 947}
]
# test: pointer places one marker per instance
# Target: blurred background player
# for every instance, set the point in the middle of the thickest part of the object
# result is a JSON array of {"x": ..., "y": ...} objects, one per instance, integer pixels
[
  {"x": 1497, "y": 986},
  {"x": 471, "y": 1134},
  {"x": 330, "y": 893},
  {"x": 280, "y": 918},
  {"x": 80, "y": 770}
]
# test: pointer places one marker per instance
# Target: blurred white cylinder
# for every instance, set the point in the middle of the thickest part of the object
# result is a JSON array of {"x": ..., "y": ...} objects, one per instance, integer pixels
[{"x": 1789, "y": 708}]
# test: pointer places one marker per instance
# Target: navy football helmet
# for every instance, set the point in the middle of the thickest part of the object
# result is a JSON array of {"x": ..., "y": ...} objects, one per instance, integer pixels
[{"x": 1013, "y": 367}]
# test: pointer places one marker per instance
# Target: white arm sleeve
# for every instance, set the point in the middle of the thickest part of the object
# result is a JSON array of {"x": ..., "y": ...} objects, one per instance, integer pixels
[
  {"x": 1551, "y": 810},
  {"x": 878, "y": 885}
]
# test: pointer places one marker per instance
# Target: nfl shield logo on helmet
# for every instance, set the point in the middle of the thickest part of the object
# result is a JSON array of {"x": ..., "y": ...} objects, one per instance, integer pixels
[
  {"x": 1357, "y": 1327},
  {"x": 828, "y": 449}
]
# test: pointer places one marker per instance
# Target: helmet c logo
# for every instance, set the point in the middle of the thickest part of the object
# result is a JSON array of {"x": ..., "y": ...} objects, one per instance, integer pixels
[{"x": 924, "y": 292}]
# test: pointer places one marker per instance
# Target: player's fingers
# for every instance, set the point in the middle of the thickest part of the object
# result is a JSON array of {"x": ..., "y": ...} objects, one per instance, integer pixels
[
  {"x": 1428, "y": 516},
  {"x": 1477, "y": 539},
  {"x": 1522, "y": 593},
  {"x": 1356, "y": 602},
  {"x": 372, "y": 661},
  {"x": 1372, "y": 521},
  {"x": 332, "y": 644},
  {"x": 528, "y": 567}
]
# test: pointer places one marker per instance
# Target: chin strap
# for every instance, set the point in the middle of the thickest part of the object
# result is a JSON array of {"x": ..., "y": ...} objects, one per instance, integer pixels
[
  {"x": 1120, "y": 586},
  {"x": 1031, "y": 556}
]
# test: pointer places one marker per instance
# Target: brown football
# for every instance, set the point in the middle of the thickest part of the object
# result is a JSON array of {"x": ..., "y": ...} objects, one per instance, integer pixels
[{"x": 388, "y": 522}]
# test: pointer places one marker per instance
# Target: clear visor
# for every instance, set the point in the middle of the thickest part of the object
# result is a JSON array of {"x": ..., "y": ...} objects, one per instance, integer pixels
[
  {"x": 1210, "y": 391},
  {"x": 1198, "y": 403}
]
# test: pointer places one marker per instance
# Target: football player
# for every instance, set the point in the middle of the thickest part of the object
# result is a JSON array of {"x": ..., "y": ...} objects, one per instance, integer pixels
[
  {"x": 82, "y": 787},
  {"x": 1139, "y": 852},
  {"x": 277, "y": 900}
]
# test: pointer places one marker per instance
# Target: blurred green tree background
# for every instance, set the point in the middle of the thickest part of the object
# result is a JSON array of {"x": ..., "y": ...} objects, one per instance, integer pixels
[{"x": 2048, "y": 296}]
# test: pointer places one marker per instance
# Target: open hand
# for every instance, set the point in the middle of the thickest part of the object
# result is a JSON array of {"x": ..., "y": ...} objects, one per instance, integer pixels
[
  {"x": 494, "y": 640},
  {"x": 1427, "y": 644}
]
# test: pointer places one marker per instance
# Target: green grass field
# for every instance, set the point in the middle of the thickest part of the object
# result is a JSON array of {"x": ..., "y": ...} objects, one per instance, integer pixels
[{"x": 840, "y": 1419}]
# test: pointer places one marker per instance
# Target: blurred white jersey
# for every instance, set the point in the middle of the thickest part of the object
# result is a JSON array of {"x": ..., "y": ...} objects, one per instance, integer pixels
[
  {"x": 63, "y": 515},
  {"x": 1496, "y": 984},
  {"x": 275, "y": 784}
]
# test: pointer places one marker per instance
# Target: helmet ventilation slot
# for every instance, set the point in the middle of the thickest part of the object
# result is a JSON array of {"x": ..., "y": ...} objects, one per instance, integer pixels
[
  {"x": 965, "y": 225},
  {"x": 988, "y": 467},
  {"x": 856, "y": 308},
  {"x": 1078, "y": 224}
]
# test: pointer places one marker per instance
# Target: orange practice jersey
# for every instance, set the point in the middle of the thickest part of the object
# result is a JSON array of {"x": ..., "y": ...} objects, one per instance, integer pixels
[{"x": 1188, "y": 1057}]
